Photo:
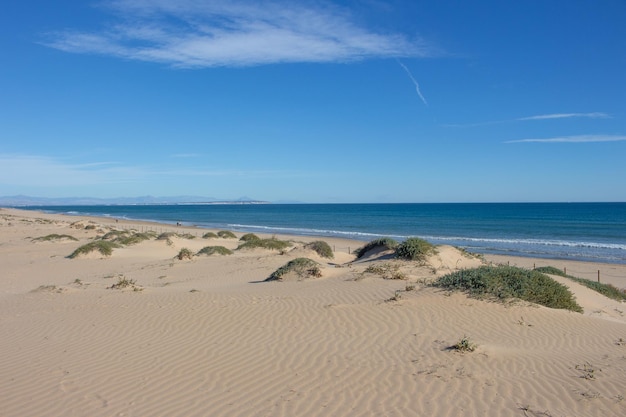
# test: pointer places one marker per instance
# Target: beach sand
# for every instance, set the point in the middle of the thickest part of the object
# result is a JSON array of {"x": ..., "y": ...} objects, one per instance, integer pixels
[{"x": 208, "y": 337}]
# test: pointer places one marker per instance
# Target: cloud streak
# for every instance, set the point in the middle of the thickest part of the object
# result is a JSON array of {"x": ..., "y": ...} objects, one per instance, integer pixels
[
  {"x": 552, "y": 116},
  {"x": 39, "y": 171},
  {"x": 192, "y": 34},
  {"x": 574, "y": 139},
  {"x": 596, "y": 115},
  {"x": 417, "y": 86}
]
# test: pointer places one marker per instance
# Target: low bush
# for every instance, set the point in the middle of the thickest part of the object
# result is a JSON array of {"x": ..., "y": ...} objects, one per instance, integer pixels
[
  {"x": 123, "y": 282},
  {"x": 322, "y": 248},
  {"x": 115, "y": 234},
  {"x": 103, "y": 246},
  {"x": 185, "y": 235},
  {"x": 386, "y": 271},
  {"x": 248, "y": 237},
  {"x": 167, "y": 237},
  {"x": 226, "y": 234},
  {"x": 464, "y": 345},
  {"x": 383, "y": 243},
  {"x": 301, "y": 267},
  {"x": 53, "y": 236},
  {"x": 212, "y": 250},
  {"x": 209, "y": 235},
  {"x": 134, "y": 238},
  {"x": 184, "y": 254},
  {"x": 505, "y": 282},
  {"x": 414, "y": 249},
  {"x": 273, "y": 244}
]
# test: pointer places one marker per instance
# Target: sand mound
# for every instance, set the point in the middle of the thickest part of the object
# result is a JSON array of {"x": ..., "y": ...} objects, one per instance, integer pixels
[{"x": 449, "y": 258}]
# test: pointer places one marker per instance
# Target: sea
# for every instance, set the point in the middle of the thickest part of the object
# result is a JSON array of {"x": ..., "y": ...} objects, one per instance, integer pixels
[{"x": 572, "y": 231}]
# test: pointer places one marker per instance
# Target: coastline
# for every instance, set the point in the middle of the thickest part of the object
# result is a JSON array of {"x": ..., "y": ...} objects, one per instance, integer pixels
[
  {"x": 612, "y": 273},
  {"x": 207, "y": 335},
  {"x": 585, "y": 232}
]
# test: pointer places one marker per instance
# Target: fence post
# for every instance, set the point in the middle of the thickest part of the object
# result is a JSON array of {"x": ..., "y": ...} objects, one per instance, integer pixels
[
  {"x": 598, "y": 275},
  {"x": 565, "y": 270}
]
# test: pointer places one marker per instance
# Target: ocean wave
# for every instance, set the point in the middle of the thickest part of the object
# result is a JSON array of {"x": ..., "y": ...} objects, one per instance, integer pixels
[
  {"x": 443, "y": 239},
  {"x": 531, "y": 242}
]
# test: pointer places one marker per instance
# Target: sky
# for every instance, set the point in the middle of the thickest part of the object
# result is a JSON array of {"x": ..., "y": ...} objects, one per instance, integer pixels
[{"x": 319, "y": 101}]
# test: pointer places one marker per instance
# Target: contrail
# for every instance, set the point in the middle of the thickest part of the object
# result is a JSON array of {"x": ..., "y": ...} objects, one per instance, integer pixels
[{"x": 417, "y": 86}]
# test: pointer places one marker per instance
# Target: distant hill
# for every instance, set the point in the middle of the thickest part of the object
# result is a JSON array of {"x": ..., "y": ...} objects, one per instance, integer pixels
[{"x": 23, "y": 200}]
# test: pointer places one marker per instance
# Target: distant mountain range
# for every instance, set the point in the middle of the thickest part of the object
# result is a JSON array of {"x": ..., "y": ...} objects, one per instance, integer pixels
[{"x": 23, "y": 200}]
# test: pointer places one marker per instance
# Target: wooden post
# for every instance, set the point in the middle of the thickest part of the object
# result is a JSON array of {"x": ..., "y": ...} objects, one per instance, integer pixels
[
  {"x": 565, "y": 270},
  {"x": 598, "y": 275}
]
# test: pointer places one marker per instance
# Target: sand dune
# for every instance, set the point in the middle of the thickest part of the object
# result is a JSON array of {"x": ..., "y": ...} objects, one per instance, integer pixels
[{"x": 206, "y": 336}]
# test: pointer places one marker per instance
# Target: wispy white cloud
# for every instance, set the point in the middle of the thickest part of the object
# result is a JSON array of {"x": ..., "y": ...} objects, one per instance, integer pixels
[
  {"x": 575, "y": 139},
  {"x": 417, "y": 86},
  {"x": 596, "y": 115},
  {"x": 18, "y": 170},
  {"x": 190, "y": 33},
  {"x": 43, "y": 171}
]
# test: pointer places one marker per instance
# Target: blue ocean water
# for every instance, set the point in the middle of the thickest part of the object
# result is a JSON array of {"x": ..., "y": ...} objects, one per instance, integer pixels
[{"x": 577, "y": 231}]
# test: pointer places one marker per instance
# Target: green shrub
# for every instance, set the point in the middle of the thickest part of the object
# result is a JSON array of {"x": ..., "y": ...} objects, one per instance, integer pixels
[
  {"x": 510, "y": 282},
  {"x": 184, "y": 254},
  {"x": 115, "y": 234},
  {"x": 248, "y": 237},
  {"x": 53, "y": 236},
  {"x": 226, "y": 234},
  {"x": 464, "y": 345},
  {"x": 383, "y": 243},
  {"x": 167, "y": 237},
  {"x": 185, "y": 235},
  {"x": 322, "y": 248},
  {"x": 209, "y": 235},
  {"x": 211, "y": 250},
  {"x": 122, "y": 282},
  {"x": 103, "y": 246},
  {"x": 302, "y": 267},
  {"x": 414, "y": 249},
  {"x": 607, "y": 290},
  {"x": 273, "y": 244},
  {"x": 386, "y": 271},
  {"x": 134, "y": 238}
]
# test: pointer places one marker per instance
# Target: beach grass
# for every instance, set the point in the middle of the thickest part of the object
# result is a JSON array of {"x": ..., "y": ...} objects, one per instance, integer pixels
[
  {"x": 53, "y": 236},
  {"x": 322, "y": 248},
  {"x": 214, "y": 250},
  {"x": 386, "y": 270},
  {"x": 134, "y": 238},
  {"x": 272, "y": 243},
  {"x": 184, "y": 253},
  {"x": 226, "y": 234},
  {"x": 382, "y": 243},
  {"x": 301, "y": 267},
  {"x": 105, "y": 247},
  {"x": 505, "y": 282},
  {"x": 248, "y": 237}
]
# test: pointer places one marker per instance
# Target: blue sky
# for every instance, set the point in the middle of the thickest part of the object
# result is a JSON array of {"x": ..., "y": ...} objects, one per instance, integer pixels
[{"x": 315, "y": 101}]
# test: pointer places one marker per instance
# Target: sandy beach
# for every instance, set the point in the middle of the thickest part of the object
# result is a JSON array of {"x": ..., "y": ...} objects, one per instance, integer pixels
[{"x": 207, "y": 336}]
